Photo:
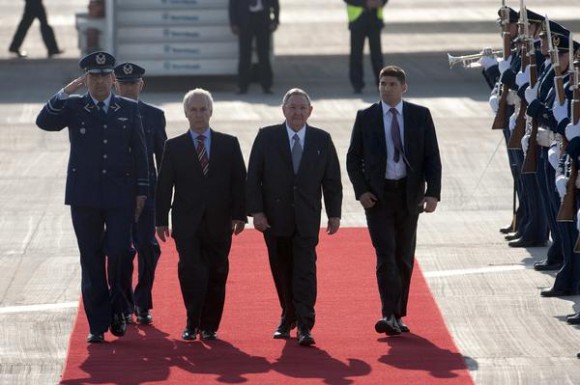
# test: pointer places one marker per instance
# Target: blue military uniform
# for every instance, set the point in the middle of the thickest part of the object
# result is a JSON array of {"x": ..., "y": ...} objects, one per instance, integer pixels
[
  {"x": 107, "y": 170},
  {"x": 144, "y": 241}
]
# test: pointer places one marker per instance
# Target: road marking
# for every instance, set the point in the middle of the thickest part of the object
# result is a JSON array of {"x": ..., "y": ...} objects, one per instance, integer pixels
[
  {"x": 480, "y": 270},
  {"x": 35, "y": 308}
]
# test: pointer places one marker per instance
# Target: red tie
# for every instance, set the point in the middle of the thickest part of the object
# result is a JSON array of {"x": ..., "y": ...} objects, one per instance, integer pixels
[
  {"x": 396, "y": 135},
  {"x": 202, "y": 154}
]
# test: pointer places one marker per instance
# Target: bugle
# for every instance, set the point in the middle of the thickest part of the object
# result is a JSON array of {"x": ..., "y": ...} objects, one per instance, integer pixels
[{"x": 470, "y": 61}]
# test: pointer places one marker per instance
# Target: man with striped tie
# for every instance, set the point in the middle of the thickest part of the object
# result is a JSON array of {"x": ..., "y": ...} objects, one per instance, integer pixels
[{"x": 206, "y": 170}]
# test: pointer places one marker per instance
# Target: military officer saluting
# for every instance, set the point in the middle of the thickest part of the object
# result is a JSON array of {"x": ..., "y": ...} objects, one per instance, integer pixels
[
  {"x": 129, "y": 83},
  {"x": 107, "y": 184}
]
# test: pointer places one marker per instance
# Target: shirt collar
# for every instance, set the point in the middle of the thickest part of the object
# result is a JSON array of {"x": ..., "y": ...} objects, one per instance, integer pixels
[
  {"x": 301, "y": 132},
  {"x": 107, "y": 100},
  {"x": 387, "y": 108}
]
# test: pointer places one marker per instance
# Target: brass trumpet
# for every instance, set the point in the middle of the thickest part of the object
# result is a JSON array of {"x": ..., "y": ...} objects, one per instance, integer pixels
[{"x": 471, "y": 61}]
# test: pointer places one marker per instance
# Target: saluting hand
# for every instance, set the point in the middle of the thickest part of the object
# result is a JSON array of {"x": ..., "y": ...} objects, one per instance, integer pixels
[
  {"x": 162, "y": 232},
  {"x": 76, "y": 84}
]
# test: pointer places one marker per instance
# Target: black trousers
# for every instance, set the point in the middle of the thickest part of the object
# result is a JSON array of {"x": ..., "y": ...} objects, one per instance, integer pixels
[
  {"x": 34, "y": 10},
  {"x": 259, "y": 30},
  {"x": 103, "y": 237},
  {"x": 147, "y": 248},
  {"x": 203, "y": 271},
  {"x": 358, "y": 34},
  {"x": 293, "y": 266},
  {"x": 393, "y": 231}
]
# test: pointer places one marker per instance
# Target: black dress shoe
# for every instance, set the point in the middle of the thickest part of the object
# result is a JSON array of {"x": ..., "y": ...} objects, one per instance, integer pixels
[
  {"x": 507, "y": 229},
  {"x": 512, "y": 236},
  {"x": 523, "y": 243},
  {"x": 574, "y": 319},
  {"x": 305, "y": 338},
  {"x": 545, "y": 266},
  {"x": 189, "y": 334},
  {"x": 129, "y": 318},
  {"x": 283, "y": 330},
  {"x": 54, "y": 53},
  {"x": 551, "y": 292},
  {"x": 19, "y": 53},
  {"x": 144, "y": 317},
  {"x": 208, "y": 335},
  {"x": 388, "y": 325},
  {"x": 95, "y": 338},
  {"x": 402, "y": 326},
  {"x": 119, "y": 325}
]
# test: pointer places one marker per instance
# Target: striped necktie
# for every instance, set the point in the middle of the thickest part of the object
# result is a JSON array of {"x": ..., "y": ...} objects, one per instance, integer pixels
[{"x": 202, "y": 154}]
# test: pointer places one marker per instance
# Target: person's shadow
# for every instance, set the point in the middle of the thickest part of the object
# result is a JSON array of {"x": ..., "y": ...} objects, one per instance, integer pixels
[
  {"x": 148, "y": 355},
  {"x": 329, "y": 369},
  {"x": 415, "y": 353}
]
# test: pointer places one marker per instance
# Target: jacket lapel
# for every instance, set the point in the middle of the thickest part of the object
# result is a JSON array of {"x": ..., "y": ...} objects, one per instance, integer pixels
[
  {"x": 378, "y": 125},
  {"x": 284, "y": 146}
]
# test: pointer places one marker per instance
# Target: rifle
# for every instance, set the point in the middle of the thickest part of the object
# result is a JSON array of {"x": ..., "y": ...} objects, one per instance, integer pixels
[
  {"x": 528, "y": 59},
  {"x": 501, "y": 114},
  {"x": 531, "y": 158},
  {"x": 567, "y": 210}
]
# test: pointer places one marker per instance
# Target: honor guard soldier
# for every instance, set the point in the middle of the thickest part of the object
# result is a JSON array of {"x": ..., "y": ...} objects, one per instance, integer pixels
[
  {"x": 107, "y": 184},
  {"x": 129, "y": 84}
]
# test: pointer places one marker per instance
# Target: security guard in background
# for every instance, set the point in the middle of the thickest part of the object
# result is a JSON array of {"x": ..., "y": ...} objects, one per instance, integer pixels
[
  {"x": 129, "y": 83},
  {"x": 107, "y": 184},
  {"x": 365, "y": 19}
]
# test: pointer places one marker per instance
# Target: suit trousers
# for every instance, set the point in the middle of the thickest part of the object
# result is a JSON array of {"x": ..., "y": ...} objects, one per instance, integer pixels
[
  {"x": 34, "y": 10},
  {"x": 148, "y": 251},
  {"x": 103, "y": 237},
  {"x": 293, "y": 266},
  {"x": 203, "y": 269},
  {"x": 551, "y": 202},
  {"x": 259, "y": 30},
  {"x": 393, "y": 231}
]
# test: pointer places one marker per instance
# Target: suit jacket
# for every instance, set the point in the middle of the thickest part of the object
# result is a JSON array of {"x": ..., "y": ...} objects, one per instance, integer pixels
[
  {"x": 211, "y": 200},
  {"x": 366, "y": 160},
  {"x": 153, "y": 120},
  {"x": 239, "y": 11},
  {"x": 293, "y": 202},
  {"x": 107, "y": 165}
]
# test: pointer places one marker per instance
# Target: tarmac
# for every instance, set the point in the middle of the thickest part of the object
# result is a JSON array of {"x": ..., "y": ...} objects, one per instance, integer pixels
[{"x": 488, "y": 293}]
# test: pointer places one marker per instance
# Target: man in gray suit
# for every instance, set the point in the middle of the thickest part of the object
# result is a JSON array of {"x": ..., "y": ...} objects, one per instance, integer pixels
[
  {"x": 291, "y": 166},
  {"x": 394, "y": 165}
]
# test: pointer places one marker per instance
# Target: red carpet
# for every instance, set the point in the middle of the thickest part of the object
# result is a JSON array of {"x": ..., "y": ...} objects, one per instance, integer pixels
[{"x": 348, "y": 351}]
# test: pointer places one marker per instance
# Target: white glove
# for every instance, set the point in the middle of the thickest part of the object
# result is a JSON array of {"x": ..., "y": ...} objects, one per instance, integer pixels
[
  {"x": 572, "y": 131},
  {"x": 578, "y": 220},
  {"x": 531, "y": 93},
  {"x": 560, "y": 111},
  {"x": 494, "y": 102},
  {"x": 543, "y": 137},
  {"x": 487, "y": 62},
  {"x": 554, "y": 155},
  {"x": 512, "y": 98},
  {"x": 523, "y": 77},
  {"x": 561, "y": 182},
  {"x": 504, "y": 64},
  {"x": 512, "y": 121},
  {"x": 525, "y": 142}
]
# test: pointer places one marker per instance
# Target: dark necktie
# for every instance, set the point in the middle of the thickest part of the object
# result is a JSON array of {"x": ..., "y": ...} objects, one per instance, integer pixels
[
  {"x": 396, "y": 135},
  {"x": 202, "y": 154},
  {"x": 296, "y": 153},
  {"x": 101, "y": 107}
]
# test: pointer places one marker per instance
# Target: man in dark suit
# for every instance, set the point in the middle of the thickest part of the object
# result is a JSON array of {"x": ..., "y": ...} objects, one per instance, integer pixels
[
  {"x": 129, "y": 83},
  {"x": 254, "y": 20},
  {"x": 107, "y": 184},
  {"x": 291, "y": 165},
  {"x": 206, "y": 168},
  {"x": 34, "y": 10},
  {"x": 394, "y": 165}
]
